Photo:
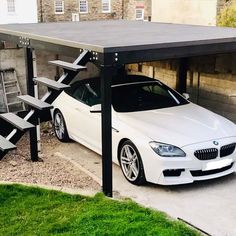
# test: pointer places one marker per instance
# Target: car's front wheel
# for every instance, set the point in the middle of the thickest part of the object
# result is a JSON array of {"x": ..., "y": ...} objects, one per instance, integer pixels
[
  {"x": 60, "y": 127},
  {"x": 131, "y": 163}
]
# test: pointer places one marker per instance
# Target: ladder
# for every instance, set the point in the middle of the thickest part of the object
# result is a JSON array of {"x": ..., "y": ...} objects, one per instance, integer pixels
[{"x": 11, "y": 90}]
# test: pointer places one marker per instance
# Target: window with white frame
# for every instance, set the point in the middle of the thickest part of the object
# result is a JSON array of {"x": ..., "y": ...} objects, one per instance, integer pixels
[
  {"x": 11, "y": 6},
  {"x": 139, "y": 13},
  {"x": 59, "y": 7},
  {"x": 83, "y": 6},
  {"x": 106, "y": 6}
]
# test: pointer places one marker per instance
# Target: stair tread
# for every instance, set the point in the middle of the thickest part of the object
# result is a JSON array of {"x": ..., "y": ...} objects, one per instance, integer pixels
[
  {"x": 51, "y": 83},
  {"x": 34, "y": 102},
  {"x": 67, "y": 65},
  {"x": 16, "y": 121},
  {"x": 5, "y": 144}
]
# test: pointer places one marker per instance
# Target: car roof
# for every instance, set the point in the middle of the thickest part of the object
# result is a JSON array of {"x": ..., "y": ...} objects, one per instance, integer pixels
[{"x": 117, "y": 81}]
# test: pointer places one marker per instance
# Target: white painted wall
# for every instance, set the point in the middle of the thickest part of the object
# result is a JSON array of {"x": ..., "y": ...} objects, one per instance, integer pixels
[
  {"x": 26, "y": 12},
  {"x": 196, "y": 12}
]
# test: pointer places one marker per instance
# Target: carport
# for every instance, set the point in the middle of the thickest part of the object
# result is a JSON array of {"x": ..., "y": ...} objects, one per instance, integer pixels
[{"x": 110, "y": 45}]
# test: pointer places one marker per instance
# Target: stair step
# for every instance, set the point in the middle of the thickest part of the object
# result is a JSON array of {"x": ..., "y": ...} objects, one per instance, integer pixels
[
  {"x": 51, "y": 83},
  {"x": 34, "y": 102},
  {"x": 6, "y": 145},
  {"x": 67, "y": 65},
  {"x": 16, "y": 121}
]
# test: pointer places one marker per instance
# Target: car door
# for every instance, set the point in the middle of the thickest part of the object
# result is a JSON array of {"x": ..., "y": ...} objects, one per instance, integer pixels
[{"x": 87, "y": 125}]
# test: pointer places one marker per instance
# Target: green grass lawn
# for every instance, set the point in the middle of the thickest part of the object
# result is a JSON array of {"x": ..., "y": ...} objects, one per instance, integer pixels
[{"x": 35, "y": 211}]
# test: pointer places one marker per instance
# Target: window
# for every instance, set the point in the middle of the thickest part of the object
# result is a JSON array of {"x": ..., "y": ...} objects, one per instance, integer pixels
[
  {"x": 88, "y": 93},
  {"x": 11, "y": 6},
  {"x": 106, "y": 6},
  {"x": 59, "y": 7},
  {"x": 139, "y": 13},
  {"x": 144, "y": 96},
  {"x": 83, "y": 6}
]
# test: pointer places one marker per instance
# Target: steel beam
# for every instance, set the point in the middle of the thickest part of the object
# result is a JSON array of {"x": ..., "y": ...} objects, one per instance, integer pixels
[
  {"x": 30, "y": 90},
  {"x": 106, "y": 95},
  {"x": 181, "y": 76}
]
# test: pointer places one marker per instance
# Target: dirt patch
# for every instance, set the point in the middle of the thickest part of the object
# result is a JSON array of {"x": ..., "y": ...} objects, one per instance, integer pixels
[{"x": 17, "y": 166}]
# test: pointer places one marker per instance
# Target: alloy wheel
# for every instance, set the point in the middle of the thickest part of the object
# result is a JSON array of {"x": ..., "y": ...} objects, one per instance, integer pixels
[
  {"x": 59, "y": 126},
  {"x": 129, "y": 162}
]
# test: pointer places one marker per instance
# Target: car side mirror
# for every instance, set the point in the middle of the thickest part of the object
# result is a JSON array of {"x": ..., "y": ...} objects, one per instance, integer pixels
[
  {"x": 96, "y": 108},
  {"x": 186, "y": 96}
]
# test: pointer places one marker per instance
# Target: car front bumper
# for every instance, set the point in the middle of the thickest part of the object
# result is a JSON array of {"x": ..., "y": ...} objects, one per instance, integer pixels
[{"x": 183, "y": 170}]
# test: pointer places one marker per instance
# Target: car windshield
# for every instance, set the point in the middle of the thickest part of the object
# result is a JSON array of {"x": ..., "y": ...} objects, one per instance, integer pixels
[{"x": 144, "y": 96}]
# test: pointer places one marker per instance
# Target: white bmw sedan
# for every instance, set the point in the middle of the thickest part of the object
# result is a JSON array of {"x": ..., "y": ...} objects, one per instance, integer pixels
[{"x": 158, "y": 135}]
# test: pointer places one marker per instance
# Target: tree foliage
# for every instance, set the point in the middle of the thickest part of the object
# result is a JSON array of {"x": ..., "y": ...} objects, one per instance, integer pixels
[{"x": 227, "y": 16}]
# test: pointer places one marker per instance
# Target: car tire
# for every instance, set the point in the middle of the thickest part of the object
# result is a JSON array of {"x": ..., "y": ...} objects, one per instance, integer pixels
[
  {"x": 131, "y": 163},
  {"x": 60, "y": 128}
]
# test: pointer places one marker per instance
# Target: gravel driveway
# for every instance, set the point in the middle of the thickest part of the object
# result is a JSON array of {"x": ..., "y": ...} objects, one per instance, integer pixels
[{"x": 51, "y": 170}]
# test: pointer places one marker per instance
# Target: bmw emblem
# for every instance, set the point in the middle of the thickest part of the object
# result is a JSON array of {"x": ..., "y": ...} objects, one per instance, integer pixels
[{"x": 216, "y": 143}]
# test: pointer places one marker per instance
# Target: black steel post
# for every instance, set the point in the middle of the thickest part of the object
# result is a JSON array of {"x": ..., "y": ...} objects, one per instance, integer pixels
[
  {"x": 181, "y": 80},
  {"x": 106, "y": 78},
  {"x": 30, "y": 90}
]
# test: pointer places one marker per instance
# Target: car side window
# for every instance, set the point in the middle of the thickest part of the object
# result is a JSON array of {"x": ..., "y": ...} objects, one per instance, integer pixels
[
  {"x": 91, "y": 95},
  {"x": 78, "y": 93}
]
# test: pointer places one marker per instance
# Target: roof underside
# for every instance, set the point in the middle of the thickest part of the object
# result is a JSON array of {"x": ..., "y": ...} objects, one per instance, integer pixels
[{"x": 124, "y": 37}]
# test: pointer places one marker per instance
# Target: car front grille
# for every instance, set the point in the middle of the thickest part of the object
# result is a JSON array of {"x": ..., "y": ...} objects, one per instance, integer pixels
[
  {"x": 227, "y": 150},
  {"x": 206, "y": 154},
  {"x": 198, "y": 173}
]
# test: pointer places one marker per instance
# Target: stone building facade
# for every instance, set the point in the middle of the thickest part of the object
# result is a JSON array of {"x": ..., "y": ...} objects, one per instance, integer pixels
[
  {"x": 71, "y": 10},
  {"x": 133, "y": 8},
  {"x": 68, "y": 10}
]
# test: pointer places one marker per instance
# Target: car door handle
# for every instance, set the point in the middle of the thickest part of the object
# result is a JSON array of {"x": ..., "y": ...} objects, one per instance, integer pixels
[{"x": 77, "y": 109}]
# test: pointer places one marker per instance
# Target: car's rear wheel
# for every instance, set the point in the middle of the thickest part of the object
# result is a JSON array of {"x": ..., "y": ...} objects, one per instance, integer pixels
[
  {"x": 60, "y": 127},
  {"x": 131, "y": 163}
]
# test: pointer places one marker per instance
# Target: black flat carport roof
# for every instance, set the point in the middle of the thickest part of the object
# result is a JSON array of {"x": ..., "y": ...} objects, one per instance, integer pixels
[
  {"x": 131, "y": 41},
  {"x": 112, "y": 44}
]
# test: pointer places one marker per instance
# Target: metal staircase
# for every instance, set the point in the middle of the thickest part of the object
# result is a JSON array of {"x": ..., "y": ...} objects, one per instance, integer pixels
[
  {"x": 11, "y": 90},
  {"x": 38, "y": 108}
]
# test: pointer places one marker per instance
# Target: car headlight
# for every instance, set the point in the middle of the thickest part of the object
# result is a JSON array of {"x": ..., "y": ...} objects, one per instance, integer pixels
[{"x": 167, "y": 150}]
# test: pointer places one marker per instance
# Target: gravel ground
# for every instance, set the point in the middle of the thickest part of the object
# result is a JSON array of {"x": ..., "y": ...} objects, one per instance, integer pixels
[{"x": 50, "y": 170}]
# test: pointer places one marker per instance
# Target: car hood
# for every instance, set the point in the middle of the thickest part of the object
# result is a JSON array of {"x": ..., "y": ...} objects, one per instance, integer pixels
[{"x": 180, "y": 126}]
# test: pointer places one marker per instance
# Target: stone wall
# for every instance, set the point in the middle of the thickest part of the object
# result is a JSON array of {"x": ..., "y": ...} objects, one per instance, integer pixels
[
  {"x": 211, "y": 80},
  {"x": 46, "y": 11},
  {"x": 120, "y": 9}
]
